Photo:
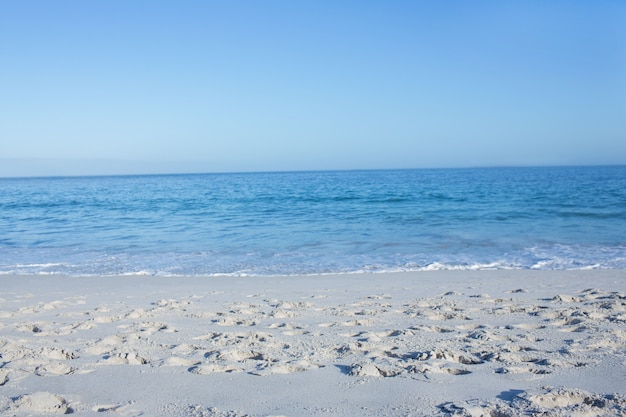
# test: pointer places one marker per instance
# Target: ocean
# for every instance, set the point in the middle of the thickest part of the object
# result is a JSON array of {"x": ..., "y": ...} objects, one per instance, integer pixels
[{"x": 298, "y": 223}]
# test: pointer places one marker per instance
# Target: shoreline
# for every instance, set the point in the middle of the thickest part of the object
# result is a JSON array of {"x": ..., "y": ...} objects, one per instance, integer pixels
[
  {"x": 403, "y": 343},
  {"x": 425, "y": 270}
]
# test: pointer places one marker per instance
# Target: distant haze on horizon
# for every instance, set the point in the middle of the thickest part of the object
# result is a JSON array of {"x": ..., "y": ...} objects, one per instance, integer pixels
[
  {"x": 102, "y": 168},
  {"x": 114, "y": 87}
]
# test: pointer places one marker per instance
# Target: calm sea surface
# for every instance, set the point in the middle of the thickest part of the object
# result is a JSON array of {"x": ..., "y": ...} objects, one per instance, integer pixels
[{"x": 315, "y": 222}]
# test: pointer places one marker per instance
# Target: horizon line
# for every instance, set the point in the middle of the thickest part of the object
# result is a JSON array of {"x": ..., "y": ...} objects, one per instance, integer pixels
[{"x": 287, "y": 171}]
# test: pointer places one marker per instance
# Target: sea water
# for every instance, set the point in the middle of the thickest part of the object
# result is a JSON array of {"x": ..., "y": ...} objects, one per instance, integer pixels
[{"x": 293, "y": 223}]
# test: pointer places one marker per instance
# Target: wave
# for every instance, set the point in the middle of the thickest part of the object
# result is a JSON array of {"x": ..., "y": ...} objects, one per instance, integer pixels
[{"x": 303, "y": 262}]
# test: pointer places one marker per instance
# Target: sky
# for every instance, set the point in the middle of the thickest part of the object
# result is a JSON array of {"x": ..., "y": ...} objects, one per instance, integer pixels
[{"x": 125, "y": 87}]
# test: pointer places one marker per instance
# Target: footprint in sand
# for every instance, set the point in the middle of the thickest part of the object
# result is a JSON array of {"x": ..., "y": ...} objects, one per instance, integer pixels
[
  {"x": 270, "y": 368},
  {"x": 521, "y": 371},
  {"x": 35, "y": 328},
  {"x": 171, "y": 304},
  {"x": 285, "y": 326},
  {"x": 282, "y": 314},
  {"x": 233, "y": 321},
  {"x": 233, "y": 355},
  {"x": 434, "y": 329},
  {"x": 106, "y": 344},
  {"x": 149, "y": 328},
  {"x": 81, "y": 325},
  {"x": 39, "y": 403},
  {"x": 106, "y": 319},
  {"x": 138, "y": 313},
  {"x": 179, "y": 361},
  {"x": 55, "y": 353},
  {"x": 212, "y": 368},
  {"x": 482, "y": 335},
  {"x": 447, "y": 316},
  {"x": 289, "y": 329},
  {"x": 563, "y": 298},
  {"x": 54, "y": 369},
  {"x": 457, "y": 357},
  {"x": 437, "y": 368},
  {"x": 184, "y": 349},
  {"x": 373, "y": 370},
  {"x": 128, "y": 358}
]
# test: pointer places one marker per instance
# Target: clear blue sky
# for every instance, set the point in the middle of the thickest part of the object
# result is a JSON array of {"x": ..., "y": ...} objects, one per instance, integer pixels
[{"x": 92, "y": 87}]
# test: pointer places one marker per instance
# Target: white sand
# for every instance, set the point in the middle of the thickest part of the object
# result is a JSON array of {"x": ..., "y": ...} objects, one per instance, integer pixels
[{"x": 466, "y": 343}]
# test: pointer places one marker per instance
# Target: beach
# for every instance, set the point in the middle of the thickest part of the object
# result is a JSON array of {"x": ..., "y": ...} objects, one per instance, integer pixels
[
  {"x": 306, "y": 209},
  {"x": 468, "y": 343}
]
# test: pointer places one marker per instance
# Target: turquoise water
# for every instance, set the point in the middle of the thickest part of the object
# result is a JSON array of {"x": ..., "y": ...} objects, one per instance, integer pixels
[{"x": 315, "y": 222}]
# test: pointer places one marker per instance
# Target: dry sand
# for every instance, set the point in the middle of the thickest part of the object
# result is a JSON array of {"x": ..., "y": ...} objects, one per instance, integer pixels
[{"x": 467, "y": 343}]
